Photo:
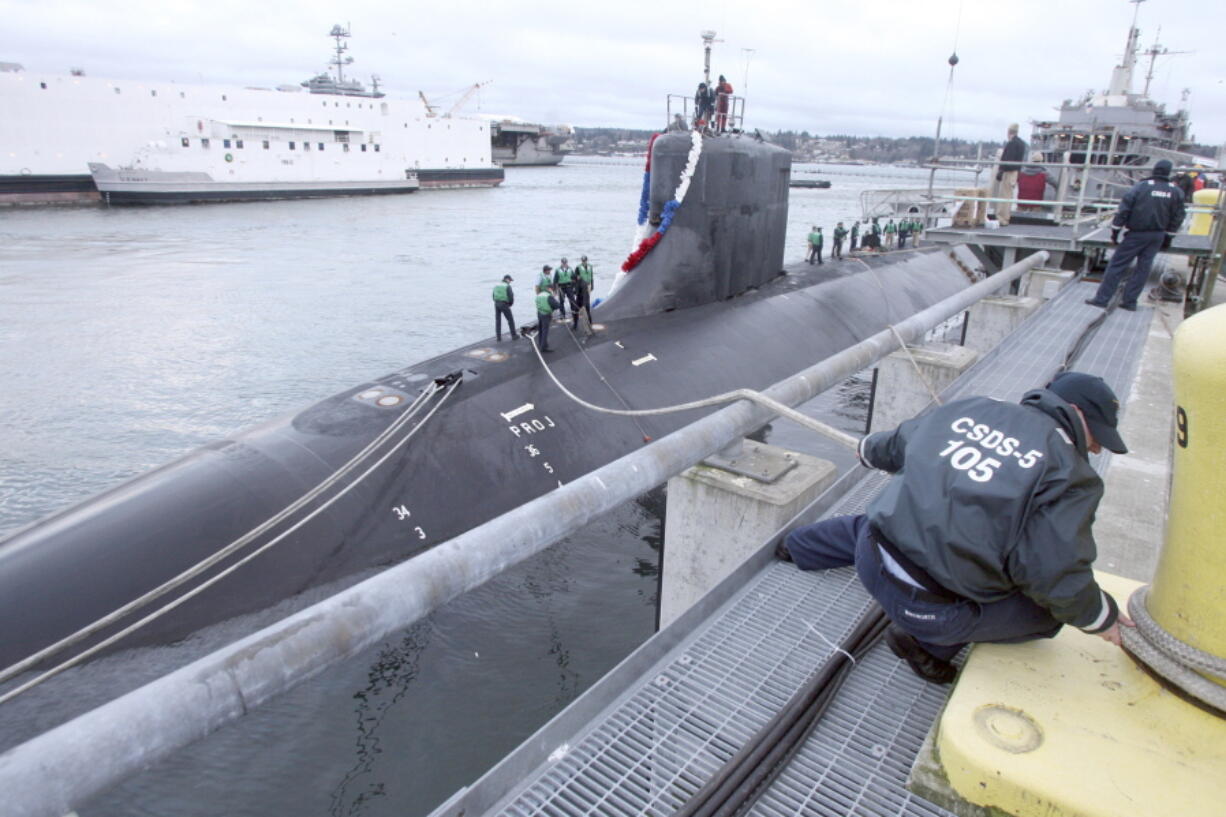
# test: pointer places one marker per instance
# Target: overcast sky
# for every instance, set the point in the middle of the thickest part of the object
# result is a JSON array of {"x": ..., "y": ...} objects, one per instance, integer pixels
[{"x": 868, "y": 67}]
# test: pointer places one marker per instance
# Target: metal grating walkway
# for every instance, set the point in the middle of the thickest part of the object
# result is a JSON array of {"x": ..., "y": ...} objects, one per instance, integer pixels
[{"x": 646, "y": 738}]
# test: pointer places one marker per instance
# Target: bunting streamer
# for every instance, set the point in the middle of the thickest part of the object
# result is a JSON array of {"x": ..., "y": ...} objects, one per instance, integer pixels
[{"x": 647, "y": 242}]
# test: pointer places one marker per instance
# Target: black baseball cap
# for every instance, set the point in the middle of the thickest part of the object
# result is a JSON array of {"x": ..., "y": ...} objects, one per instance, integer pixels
[
  {"x": 546, "y": 268},
  {"x": 507, "y": 278},
  {"x": 1097, "y": 402}
]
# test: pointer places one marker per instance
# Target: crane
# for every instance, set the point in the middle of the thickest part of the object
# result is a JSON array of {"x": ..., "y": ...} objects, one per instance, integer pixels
[
  {"x": 432, "y": 110},
  {"x": 476, "y": 86}
]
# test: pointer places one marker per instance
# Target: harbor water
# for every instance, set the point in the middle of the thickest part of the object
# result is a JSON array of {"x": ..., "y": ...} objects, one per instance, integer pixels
[{"x": 128, "y": 337}]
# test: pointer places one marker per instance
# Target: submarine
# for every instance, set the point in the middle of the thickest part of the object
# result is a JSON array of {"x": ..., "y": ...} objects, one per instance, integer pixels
[{"x": 392, "y": 467}]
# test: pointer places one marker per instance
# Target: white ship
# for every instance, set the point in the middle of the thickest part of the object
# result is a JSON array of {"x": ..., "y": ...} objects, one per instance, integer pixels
[
  {"x": 517, "y": 143},
  {"x": 55, "y": 126}
]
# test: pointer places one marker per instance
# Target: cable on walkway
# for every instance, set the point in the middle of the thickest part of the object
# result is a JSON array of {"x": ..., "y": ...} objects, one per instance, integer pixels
[{"x": 734, "y": 788}]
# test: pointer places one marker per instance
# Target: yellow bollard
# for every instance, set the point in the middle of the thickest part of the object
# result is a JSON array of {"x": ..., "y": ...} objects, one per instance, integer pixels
[
  {"x": 1202, "y": 223},
  {"x": 1188, "y": 594}
]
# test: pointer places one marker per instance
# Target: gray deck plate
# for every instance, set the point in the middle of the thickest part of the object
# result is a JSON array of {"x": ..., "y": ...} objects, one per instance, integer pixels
[{"x": 660, "y": 737}]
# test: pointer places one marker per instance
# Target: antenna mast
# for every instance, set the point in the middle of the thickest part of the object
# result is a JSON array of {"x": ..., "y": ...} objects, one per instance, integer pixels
[
  {"x": 708, "y": 37},
  {"x": 1154, "y": 52},
  {"x": 340, "y": 61},
  {"x": 1121, "y": 77}
]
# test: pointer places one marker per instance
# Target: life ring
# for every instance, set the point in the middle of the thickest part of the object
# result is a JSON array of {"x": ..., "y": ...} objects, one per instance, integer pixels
[{"x": 229, "y": 157}]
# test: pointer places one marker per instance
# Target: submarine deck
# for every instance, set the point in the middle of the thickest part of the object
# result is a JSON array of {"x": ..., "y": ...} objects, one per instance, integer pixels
[{"x": 646, "y": 737}]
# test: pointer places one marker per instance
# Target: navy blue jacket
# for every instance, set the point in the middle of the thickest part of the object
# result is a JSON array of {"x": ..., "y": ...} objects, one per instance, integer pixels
[
  {"x": 1012, "y": 155},
  {"x": 1153, "y": 205},
  {"x": 994, "y": 498}
]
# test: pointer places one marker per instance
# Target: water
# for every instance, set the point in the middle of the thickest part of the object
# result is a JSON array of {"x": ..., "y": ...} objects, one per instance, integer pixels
[{"x": 129, "y": 337}]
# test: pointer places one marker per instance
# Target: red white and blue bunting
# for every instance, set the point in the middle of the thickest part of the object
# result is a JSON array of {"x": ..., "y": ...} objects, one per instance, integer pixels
[{"x": 644, "y": 238}]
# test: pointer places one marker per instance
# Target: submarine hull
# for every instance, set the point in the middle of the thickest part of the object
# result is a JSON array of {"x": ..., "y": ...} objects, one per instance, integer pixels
[{"x": 501, "y": 435}]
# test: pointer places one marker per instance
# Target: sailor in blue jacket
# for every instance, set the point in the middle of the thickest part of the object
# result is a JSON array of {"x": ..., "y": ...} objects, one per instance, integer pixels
[
  {"x": 984, "y": 532},
  {"x": 1151, "y": 212}
]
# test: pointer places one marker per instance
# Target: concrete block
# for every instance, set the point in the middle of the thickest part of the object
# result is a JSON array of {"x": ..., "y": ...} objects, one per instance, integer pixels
[
  {"x": 1045, "y": 283},
  {"x": 717, "y": 519},
  {"x": 1072, "y": 727},
  {"x": 994, "y": 318},
  {"x": 903, "y": 392}
]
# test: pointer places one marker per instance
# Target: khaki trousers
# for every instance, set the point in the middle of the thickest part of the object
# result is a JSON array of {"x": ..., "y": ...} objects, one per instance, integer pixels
[{"x": 1006, "y": 188}]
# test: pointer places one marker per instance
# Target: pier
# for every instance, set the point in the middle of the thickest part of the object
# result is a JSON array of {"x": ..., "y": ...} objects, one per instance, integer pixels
[{"x": 652, "y": 735}]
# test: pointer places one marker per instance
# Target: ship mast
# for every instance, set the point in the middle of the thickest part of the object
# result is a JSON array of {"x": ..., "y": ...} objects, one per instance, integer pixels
[
  {"x": 1154, "y": 52},
  {"x": 708, "y": 37},
  {"x": 340, "y": 61},
  {"x": 1121, "y": 77}
]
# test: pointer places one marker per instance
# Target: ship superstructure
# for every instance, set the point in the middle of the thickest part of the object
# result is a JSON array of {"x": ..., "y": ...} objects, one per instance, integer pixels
[
  {"x": 517, "y": 143},
  {"x": 56, "y": 125},
  {"x": 1118, "y": 131}
]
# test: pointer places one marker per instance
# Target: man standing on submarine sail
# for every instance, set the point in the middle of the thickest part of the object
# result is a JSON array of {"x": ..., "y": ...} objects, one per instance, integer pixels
[{"x": 984, "y": 532}]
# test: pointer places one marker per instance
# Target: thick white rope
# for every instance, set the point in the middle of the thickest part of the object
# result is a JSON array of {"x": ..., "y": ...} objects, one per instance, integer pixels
[
  {"x": 1180, "y": 663},
  {"x": 199, "y": 567},
  {"x": 835, "y": 434}
]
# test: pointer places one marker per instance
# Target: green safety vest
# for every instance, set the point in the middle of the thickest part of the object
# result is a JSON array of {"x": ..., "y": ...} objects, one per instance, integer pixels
[
  {"x": 544, "y": 280},
  {"x": 890, "y": 228},
  {"x": 543, "y": 307},
  {"x": 839, "y": 233},
  {"x": 500, "y": 292},
  {"x": 565, "y": 275},
  {"x": 815, "y": 239},
  {"x": 585, "y": 272}
]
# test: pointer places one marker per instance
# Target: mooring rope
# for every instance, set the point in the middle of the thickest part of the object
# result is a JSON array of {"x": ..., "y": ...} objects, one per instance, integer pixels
[
  {"x": 195, "y": 570},
  {"x": 829, "y": 431}
]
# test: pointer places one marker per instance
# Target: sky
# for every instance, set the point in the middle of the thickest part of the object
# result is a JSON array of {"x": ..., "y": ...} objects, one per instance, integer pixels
[{"x": 873, "y": 67}]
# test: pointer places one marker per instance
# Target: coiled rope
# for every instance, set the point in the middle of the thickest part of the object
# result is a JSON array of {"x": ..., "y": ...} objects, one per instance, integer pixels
[
  {"x": 1179, "y": 662},
  {"x": 447, "y": 387}
]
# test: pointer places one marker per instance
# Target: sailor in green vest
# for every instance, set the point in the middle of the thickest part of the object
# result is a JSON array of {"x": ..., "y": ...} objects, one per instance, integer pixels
[
  {"x": 564, "y": 279},
  {"x": 546, "y": 279},
  {"x": 503, "y": 299},
  {"x": 815, "y": 244},
  {"x": 891, "y": 234},
  {"x": 855, "y": 235},
  {"x": 545, "y": 305},
  {"x": 874, "y": 231},
  {"x": 584, "y": 278},
  {"x": 904, "y": 230},
  {"x": 839, "y": 234}
]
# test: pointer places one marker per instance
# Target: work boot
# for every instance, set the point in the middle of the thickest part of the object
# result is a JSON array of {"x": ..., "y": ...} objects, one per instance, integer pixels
[
  {"x": 923, "y": 663},
  {"x": 1094, "y": 302},
  {"x": 1128, "y": 307}
]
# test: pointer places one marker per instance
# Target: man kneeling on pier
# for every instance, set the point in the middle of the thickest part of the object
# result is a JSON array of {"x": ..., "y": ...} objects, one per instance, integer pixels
[{"x": 983, "y": 535}]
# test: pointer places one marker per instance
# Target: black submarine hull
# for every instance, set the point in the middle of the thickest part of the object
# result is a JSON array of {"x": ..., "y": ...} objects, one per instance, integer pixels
[{"x": 706, "y": 312}]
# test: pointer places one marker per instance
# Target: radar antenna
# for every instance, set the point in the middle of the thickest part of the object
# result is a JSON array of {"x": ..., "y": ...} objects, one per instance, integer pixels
[
  {"x": 340, "y": 61},
  {"x": 1154, "y": 52}
]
